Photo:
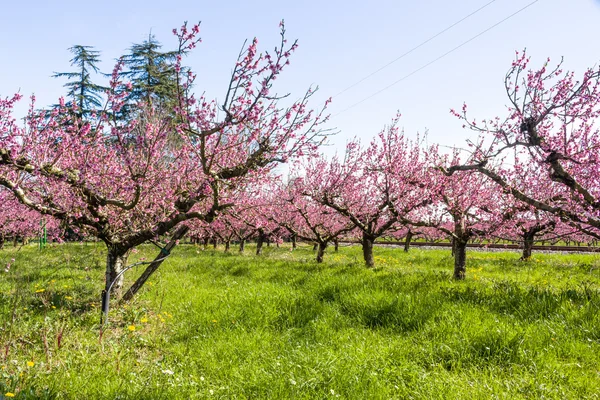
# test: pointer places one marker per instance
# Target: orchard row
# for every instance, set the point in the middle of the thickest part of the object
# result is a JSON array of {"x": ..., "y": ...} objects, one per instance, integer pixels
[{"x": 207, "y": 169}]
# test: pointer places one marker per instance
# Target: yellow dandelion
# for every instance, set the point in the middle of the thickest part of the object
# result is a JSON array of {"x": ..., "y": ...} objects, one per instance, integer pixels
[
  {"x": 53, "y": 306},
  {"x": 68, "y": 298},
  {"x": 131, "y": 328},
  {"x": 9, "y": 394},
  {"x": 214, "y": 321},
  {"x": 144, "y": 320},
  {"x": 30, "y": 363},
  {"x": 40, "y": 290}
]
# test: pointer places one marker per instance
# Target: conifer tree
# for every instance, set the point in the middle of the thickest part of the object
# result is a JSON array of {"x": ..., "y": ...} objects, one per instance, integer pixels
[
  {"x": 152, "y": 74},
  {"x": 83, "y": 93}
]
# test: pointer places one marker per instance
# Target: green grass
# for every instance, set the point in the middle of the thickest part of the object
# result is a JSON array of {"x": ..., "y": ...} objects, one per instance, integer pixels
[{"x": 215, "y": 325}]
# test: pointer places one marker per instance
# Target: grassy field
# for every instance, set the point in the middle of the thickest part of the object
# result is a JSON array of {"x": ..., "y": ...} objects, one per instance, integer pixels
[{"x": 215, "y": 325}]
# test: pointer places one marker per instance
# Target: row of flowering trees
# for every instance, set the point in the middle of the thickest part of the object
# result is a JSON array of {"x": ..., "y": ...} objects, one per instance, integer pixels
[
  {"x": 393, "y": 187},
  {"x": 209, "y": 168},
  {"x": 532, "y": 175}
]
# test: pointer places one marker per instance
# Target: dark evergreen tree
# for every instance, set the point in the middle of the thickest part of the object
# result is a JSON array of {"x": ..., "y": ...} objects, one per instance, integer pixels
[
  {"x": 84, "y": 93},
  {"x": 152, "y": 74}
]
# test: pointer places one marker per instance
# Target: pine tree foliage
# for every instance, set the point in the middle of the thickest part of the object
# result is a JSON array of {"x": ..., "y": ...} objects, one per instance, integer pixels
[
  {"x": 82, "y": 91},
  {"x": 152, "y": 73}
]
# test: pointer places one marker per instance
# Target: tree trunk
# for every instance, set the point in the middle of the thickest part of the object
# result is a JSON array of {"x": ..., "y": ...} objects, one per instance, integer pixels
[
  {"x": 215, "y": 243},
  {"x": 294, "y": 242},
  {"x": 268, "y": 242},
  {"x": 259, "y": 244},
  {"x": 336, "y": 245},
  {"x": 528, "y": 239},
  {"x": 1, "y": 242},
  {"x": 460, "y": 259},
  {"x": 116, "y": 261},
  {"x": 407, "y": 241},
  {"x": 242, "y": 243},
  {"x": 321, "y": 252},
  {"x": 453, "y": 246},
  {"x": 367, "y": 247},
  {"x": 205, "y": 243},
  {"x": 178, "y": 234},
  {"x": 227, "y": 245},
  {"x": 315, "y": 246}
]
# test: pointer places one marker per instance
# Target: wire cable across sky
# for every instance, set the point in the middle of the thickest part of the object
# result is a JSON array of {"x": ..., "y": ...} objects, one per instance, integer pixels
[
  {"x": 435, "y": 60},
  {"x": 414, "y": 48}
]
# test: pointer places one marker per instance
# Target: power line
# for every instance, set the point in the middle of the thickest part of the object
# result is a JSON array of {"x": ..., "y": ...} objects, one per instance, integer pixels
[
  {"x": 414, "y": 48},
  {"x": 438, "y": 58}
]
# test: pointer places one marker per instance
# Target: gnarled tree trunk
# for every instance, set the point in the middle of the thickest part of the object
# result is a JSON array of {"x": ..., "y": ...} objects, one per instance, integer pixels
[
  {"x": 321, "y": 251},
  {"x": 259, "y": 243},
  {"x": 242, "y": 244},
  {"x": 460, "y": 259},
  {"x": 116, "y": 261},
  {"x": 137, "y": 285},
  {"x": 407, "y": 240},
  {"x": 528, "y": 239},
  {"x": 367, "y": 248}
]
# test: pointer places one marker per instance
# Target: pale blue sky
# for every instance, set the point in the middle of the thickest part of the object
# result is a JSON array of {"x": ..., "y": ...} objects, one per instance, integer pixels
[{"x": 340, "y": 43}]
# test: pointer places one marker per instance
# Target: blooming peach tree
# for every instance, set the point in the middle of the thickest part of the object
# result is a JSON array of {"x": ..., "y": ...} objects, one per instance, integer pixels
[
  {"x": 375, "y": 187},
  {"x": 127, "y": 183},
  {"x": 552, "y": 122}
]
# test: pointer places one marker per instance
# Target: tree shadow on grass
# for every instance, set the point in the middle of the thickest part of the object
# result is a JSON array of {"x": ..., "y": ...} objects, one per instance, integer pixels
[
  {"x": 382, "y": 310},
  {"x": 524, "y": 303},
  {"x": 43, "y": 303},
  {"x": 479, "y": 349},
  {"x": 298, "y": 312}
]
